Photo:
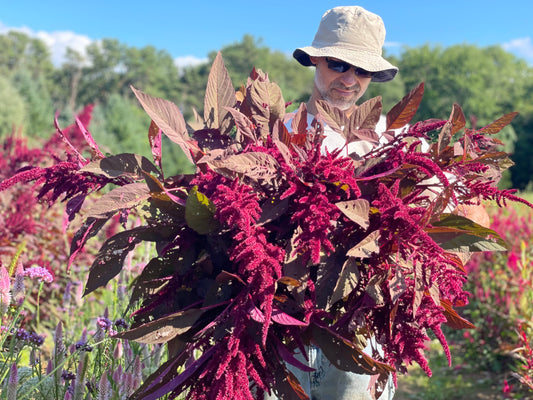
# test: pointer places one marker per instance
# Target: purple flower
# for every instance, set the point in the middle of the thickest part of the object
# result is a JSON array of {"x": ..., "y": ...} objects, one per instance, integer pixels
[
  {"x": 36, "y": 339},
  {"x": 121, "y": 322},
  {"x": 22, "y": 334},
  {"x": 39, "y": 273},
  {"x": 68, "y": 376},
  {"x": 104, "y": 323},
  {"x": 12, "y": 383}
]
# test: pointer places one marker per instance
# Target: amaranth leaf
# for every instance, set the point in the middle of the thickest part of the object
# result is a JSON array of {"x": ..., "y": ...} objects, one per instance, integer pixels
[
  {"x": 110, "y": 258},
  {"x": 163, "y": 329},
  {"x": 120, "y": 198},
  {"x": 459, "y": 234},
  {"x": 254, "y": 165},
  {"x": 497, "y": 125},
  {"x": 366, "y": 247},
  {"x": 367, "y": 115},
  {"x": 167, "y": 116},
  {"x": 126, "y": 164},
  {"x": 356, "y": 210},
  {"x": 344, "y": 355},
  {"x": 403, "y": 112},
  {"x": 219, "y": 95},
  {"x": 199, "y": 212},
  {"x": 348, "y": 280}
]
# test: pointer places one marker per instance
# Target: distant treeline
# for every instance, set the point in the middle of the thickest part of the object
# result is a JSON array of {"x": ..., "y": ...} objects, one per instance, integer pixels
[{"x": 486, "y": 82}]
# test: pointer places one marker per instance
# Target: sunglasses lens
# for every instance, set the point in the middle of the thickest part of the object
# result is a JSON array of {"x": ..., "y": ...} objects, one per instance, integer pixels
[
  {"x": 341, "y": 67},
  {"x": 363, "y": 73},
  {"x": 338, "y": 66}
]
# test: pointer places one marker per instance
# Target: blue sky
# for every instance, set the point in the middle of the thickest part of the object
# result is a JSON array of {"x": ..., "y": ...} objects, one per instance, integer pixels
[{"x": 189, "y": 29}]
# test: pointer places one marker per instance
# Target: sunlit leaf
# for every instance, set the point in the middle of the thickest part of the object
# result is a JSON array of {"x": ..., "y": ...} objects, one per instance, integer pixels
[
  {"x": 366, "y": 247},
  {"x": 256, "y": 166},
  {"x": 154, "y": 137},
  {"x": 497, "y": 125},
  {"x": 164, "y": 329},
  {"x": 403, "y": 112},
  {"x": 356, "y": 210},
  {"x": 366, "y": 116},
  {"x": 167, "y": 116},
  {"x": 199, "y": 212},
  {"x": 453, "y": 319},
  {"x": 334, "y": 117},
  {"x": 120, "y": 198},
  {"x": 457, "y": 233},
  {"x": 457, "y": 118},
  {"x": 126, "y": 164},
  {"x": 219, "y": 95}
]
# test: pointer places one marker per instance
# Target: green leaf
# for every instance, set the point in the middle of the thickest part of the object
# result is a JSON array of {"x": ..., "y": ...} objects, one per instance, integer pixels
[
  {"x": 219, "y": 95},
  {"x": 164, "y": 329},
  {"x": 456, "y": 233},
  {"x": 121, "y": 198},
  {"x": 126, "y": 164},
  {"x": 199, "y": 212}
]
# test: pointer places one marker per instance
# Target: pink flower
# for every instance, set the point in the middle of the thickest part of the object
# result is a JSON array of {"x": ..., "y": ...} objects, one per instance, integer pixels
[
  {"x": 5, "y": 289},
  {"x": 39, "y": 273},
  {"x": 507, "y": 389}
]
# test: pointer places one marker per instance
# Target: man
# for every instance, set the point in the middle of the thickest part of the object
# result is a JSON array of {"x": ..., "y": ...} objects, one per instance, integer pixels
[{"x": 347, "y": 55}]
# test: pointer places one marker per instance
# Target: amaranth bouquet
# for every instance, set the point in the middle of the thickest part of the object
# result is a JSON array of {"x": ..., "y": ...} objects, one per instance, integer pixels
[{"x": 273, "y": 245}]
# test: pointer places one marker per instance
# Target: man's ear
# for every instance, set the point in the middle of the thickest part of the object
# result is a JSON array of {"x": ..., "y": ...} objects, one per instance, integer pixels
[{"x": 313, "y": 60}]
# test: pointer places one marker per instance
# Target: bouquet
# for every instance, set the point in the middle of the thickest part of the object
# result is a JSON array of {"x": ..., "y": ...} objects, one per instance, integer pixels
[{"x": 274, "y": 244}]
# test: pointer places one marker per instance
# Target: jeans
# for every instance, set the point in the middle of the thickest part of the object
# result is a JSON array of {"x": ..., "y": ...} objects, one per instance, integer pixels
[{"x": 329, "y": 383}]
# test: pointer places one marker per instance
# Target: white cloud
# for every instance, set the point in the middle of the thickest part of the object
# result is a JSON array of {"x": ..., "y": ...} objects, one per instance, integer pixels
[
  {"x": 189, "y": 61},
  {"x": 522, "y": 47},
  {"x": 57, "y": 41}
]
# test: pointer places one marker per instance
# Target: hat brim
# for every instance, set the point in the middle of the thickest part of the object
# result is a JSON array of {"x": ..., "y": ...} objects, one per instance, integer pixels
[{"x": 383, "y": 70}]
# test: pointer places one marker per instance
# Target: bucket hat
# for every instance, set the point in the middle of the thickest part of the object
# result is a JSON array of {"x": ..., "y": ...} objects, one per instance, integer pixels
[{"x": 353, "y": 35}]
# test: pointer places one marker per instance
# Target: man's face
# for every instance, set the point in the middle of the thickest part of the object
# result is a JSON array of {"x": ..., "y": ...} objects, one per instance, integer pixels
[{"x": 340, "y": 89}]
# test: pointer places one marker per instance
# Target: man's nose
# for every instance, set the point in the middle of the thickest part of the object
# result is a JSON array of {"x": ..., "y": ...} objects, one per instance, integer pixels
[{"x": 349, "y": 78}]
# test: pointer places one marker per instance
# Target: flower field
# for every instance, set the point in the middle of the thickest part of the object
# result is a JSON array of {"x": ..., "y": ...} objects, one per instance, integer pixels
[{"x": 495, "y": 359}]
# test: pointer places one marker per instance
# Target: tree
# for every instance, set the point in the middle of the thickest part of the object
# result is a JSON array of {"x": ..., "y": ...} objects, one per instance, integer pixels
[
  {"x": 40, "y": 111},
  {"x": 12, "y": 108}
]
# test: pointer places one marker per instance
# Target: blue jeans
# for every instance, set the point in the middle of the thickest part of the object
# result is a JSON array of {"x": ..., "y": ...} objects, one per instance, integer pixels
[{"x": 327, "y": 382}]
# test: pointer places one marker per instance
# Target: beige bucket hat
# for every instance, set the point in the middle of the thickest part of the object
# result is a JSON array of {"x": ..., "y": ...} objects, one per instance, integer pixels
[{"x": 353, "y": 35}]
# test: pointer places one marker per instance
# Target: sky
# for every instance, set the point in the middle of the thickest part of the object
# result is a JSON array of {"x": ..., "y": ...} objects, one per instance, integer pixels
[{"x": 190, "y": 29}]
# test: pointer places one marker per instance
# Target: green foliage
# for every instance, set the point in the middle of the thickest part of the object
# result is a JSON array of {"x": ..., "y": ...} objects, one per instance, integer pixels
[
  {"x": 487, "y": 82},
  {"x": 40, "y": 111},
  {"x": 12, "y": 110}
]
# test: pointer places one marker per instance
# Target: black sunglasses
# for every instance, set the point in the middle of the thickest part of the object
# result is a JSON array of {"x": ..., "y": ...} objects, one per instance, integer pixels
[{"x": 341, "y": 67}]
